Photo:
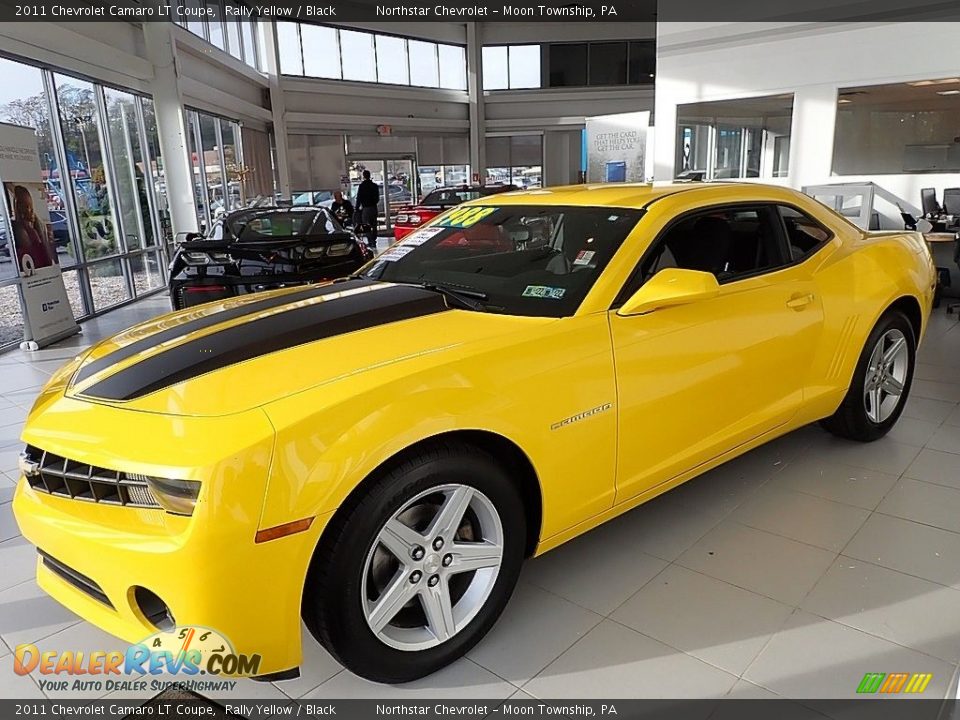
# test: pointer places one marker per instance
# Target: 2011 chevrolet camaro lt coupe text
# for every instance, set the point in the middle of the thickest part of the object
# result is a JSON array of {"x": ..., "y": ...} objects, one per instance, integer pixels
[{"x": 378, "y": 455}]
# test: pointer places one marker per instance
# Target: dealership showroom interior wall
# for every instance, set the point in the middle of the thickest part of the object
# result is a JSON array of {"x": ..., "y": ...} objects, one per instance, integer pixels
[{"x": 281, "y": 481}]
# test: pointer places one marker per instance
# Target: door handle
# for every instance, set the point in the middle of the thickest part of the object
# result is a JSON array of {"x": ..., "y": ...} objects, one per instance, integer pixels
[{"x": 798, "y": 302}]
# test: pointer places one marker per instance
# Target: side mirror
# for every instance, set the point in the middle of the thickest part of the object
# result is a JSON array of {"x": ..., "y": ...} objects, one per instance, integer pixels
[{"x": 670, "y": 287}]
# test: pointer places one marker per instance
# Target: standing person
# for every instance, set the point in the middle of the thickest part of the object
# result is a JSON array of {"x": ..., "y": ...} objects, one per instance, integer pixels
[
  {"x": 368, "y": 197},
  {"x": 342, "y": 208}
]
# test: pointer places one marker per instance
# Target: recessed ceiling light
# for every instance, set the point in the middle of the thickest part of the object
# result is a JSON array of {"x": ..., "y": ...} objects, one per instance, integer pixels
[
  {"x": 948, "y": 92},
  {"x": 925, "y": 83}
]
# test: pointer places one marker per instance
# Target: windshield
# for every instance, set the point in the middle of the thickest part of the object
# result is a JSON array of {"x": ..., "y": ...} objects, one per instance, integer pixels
[
  {"x": 521, "y": 260},
  {"x": 263, "y": 225},
  {"x": 448, "y": 196},
  {"x": 312, "y": 198}
]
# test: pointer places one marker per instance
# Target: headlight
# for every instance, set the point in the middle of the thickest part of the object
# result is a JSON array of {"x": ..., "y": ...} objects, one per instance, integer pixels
[
  {"x": 314, "y": 252},
  {"x": 339, "y": 249},
  {"x": 413, "y": 219},
  {"x": 402, "y": 218},
  {"x": 175, "y": 496}
]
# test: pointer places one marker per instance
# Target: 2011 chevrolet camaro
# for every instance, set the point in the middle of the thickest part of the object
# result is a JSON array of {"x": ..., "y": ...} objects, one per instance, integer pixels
[{"x": 378, "y": 455}]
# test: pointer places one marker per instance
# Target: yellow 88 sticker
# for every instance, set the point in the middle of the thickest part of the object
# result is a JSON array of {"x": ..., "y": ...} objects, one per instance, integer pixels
[{"x": 466, "y": 216}]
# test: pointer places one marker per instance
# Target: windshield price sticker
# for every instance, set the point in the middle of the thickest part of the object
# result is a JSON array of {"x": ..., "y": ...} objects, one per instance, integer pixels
[
  {"x": 419, "y": 237},
  {"x": 544, "y": 291},
  {"x": 584, "y": 257},
  {"x": 397, "y": 252},
  {"x": 465, "y": 217}
]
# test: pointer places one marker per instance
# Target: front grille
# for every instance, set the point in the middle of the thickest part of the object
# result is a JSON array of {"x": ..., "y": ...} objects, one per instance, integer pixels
[
  {"x": 63, "y": 477},
  {"x": 77, "y": 579}
]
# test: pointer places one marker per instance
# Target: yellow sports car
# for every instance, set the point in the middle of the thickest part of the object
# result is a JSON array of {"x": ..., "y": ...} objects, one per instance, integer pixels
[{"x": 378, "y": 455}]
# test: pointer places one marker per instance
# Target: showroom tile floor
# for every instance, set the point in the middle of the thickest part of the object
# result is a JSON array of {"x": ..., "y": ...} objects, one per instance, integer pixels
[{"x": 791, "y": 571}]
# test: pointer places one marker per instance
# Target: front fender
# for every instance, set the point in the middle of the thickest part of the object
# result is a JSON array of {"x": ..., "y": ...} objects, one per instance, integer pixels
[{"x": 329, "y": 439}]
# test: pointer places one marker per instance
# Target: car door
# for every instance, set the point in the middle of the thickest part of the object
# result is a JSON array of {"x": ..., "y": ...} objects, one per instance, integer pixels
[{"x": 696, "y": 380}]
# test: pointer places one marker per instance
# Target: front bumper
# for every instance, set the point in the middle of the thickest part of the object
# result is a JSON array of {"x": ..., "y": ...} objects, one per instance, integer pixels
[
  {"x": 206, "y": 568},
  {"x": 249, "y": 593}
]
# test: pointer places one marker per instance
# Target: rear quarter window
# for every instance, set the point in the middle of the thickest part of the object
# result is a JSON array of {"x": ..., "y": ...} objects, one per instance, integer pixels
[{"x": 804, "y": 234}]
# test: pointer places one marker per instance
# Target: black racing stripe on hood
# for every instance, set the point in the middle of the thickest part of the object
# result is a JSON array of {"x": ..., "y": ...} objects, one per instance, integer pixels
[
  {"x": 201, "y": 323},
  {"x": 267, "y": 335}
]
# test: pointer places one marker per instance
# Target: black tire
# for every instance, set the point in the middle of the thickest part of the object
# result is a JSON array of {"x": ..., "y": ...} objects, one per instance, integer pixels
[
  {"x": 851, "y": 420},
  {"x": 333, "y": 604}
]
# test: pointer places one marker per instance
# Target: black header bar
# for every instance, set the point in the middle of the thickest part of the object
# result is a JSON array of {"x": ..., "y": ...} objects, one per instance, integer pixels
[
  {"x": 537, "y": 11},
  {"x": 174, "y": 703}
]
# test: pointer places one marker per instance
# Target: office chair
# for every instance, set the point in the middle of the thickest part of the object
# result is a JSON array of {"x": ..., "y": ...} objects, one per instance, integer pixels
[
  {"x": 953, "y": 307},
  {"x": 928, "y": 202},
  {"x": 951, "y": 204}
]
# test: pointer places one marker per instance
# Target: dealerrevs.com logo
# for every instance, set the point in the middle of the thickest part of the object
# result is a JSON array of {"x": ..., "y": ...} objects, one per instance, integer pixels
[
  {"x": 184, "y": 653},
  {"x": 894, "y": 683}
]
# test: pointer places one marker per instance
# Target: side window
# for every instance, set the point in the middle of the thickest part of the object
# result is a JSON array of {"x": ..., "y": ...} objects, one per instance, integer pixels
[
  {"x": 804, "y": 235},
  {"x": 729, "y": 242}
]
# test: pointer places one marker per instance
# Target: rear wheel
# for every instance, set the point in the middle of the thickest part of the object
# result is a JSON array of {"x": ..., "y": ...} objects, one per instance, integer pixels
[
  {"x": 415, "y": 573},
  {"x": 881, "y": 382}
]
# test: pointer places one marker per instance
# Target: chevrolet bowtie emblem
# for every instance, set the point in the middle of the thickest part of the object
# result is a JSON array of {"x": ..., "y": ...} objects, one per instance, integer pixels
[{"x": 28, "y": 467}]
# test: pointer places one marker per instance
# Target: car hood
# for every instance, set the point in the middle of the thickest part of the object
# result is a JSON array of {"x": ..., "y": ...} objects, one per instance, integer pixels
[{"x": 227, "y": 357}]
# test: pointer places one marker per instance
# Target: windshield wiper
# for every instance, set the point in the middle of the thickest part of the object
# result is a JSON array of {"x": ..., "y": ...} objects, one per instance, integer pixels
[{"x": 467, "y": 297}]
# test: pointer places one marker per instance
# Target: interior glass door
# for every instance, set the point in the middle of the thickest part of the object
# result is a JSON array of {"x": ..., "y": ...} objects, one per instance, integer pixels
[{"x": 396, "y": 178}]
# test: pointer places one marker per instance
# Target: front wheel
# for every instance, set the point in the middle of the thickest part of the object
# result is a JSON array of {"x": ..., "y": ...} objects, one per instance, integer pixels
[
  {"x": 881, "y": 382},
  {"x": 417, "y": 571}
]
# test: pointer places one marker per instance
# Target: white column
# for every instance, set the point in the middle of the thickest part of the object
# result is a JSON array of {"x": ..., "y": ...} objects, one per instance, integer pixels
[
  {"x": 665, "y": 131},
  {"x": 478, "y": 153},
  {"x": 811, "y": 135},
  {"x": 171, "y": 132},
  {"x": 272, "y": 55}
]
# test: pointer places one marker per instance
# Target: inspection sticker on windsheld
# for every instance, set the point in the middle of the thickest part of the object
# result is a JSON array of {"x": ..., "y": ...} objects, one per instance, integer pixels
[{"x": 152, "y": 665}]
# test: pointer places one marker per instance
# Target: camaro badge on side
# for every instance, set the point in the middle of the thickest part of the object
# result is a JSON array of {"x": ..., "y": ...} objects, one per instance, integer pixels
[{"x": 581, "y": 416}]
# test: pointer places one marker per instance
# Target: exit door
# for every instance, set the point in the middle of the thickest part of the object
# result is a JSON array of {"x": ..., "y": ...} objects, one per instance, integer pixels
[{"x": 396, "y": 178}]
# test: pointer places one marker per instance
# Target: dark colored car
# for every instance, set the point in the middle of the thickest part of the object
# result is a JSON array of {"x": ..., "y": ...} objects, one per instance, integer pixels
[
  {"x": 259, "y": 249},
  {"x": 439, "y": 200},
  {"x": 58, "y": 222}
]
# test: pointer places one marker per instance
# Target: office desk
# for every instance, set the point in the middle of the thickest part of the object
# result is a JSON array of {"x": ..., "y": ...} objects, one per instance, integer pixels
[{"x": 942, "y": 247}]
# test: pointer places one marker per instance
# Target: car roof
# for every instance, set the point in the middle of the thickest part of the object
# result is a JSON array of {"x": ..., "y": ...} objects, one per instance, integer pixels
[{"x": 634, "y": 195}]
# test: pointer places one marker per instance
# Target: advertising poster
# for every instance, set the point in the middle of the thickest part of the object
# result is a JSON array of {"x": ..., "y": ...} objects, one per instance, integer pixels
[
  {"x": 616, "y": 147},
  {"x": 47, "y": 313}
]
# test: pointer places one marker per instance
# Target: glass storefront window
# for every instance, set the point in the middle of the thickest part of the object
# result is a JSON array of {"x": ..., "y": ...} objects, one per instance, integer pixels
[
  {"x": 453, "y": 67},
  {"x": 147, "y": 273},
  {"x": 424, "y": 70},
  {"x": 739, "y": 138},
  {"x": 23, "y": 101},
  {"x": 248, "y": 36},
  {"x": 288, "y": 46},
  {"x": 157, "y": 175},
  {"x": 321, "y": 52},
  {"x": 212, "y": 167},
  {"x": 391, "y": 51},
  {"x": 107, "y": 284},
  {"x": 85, "y": 162},
  {"x": 215, "y": 27},
  {"x": 356, "y": 50},
  {"x": 128, "y": 162},
  {"x": 71, "y": 281},
  {"x": 233, "y": 39},
  {"x": 198, "y": 170},
  {"x": 234, "y": 168},
  {"x": 101, "y": 161},
  {"x": 11, "y": 318}
]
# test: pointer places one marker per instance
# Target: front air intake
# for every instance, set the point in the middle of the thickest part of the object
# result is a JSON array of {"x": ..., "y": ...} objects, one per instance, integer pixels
[{"x": 60, "y": 476}]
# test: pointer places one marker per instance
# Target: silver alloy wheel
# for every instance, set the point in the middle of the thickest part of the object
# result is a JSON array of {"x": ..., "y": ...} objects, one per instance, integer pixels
[
  {"x": 886, "y": 376},
  {"x": 432, "y": 567}
]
